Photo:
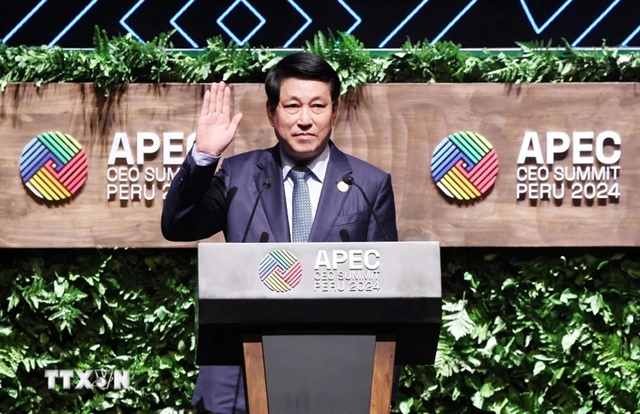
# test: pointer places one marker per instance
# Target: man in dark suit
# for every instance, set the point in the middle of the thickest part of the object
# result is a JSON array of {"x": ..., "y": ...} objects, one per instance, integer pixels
[{"x": 302, "y": 103}]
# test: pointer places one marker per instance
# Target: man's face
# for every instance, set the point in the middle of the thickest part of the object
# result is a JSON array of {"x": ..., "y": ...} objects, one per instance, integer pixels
[{"x": 303, "y": 118}]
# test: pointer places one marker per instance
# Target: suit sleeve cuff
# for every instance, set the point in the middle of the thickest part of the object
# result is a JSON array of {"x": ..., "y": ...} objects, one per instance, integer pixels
[{"x": 201, "y": 159}]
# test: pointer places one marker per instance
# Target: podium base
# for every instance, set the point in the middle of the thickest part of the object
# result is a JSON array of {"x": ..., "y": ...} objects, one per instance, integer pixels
[{"x": 319, "y": 374}]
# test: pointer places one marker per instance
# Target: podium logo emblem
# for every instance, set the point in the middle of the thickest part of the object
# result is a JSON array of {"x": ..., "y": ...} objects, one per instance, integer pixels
[
  {"x": 53, "y": 166},
  {"x": 464, "y": 166},
  {"x": 280, "y": 271}
]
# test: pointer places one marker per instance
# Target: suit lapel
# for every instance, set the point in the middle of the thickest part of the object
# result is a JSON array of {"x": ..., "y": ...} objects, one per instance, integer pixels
[
  {"x": 331, "y": 199},
  {"x": 273, "y": 200}
]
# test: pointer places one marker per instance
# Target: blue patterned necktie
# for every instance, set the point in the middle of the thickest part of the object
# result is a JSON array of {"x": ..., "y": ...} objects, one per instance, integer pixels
[{"x": 302, "y": 218}]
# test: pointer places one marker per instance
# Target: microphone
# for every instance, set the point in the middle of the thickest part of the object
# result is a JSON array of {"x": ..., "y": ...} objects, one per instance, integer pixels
[
  {"x": 265, "y": 185},
  {"x": 350, "y": 181}
]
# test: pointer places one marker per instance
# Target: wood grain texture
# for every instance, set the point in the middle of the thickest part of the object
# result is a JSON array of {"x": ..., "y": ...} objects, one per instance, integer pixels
[
  {"x": 394, "y": 126},
  {"x": 382, "y": 381},
  {"x": 255, "y": 376}
]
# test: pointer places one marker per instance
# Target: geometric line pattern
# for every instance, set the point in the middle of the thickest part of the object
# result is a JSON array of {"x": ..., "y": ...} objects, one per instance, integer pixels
[
  {"x": 464, "y": 166},
  {"x": 72, "y": 23},
  {"x": 595, "y": 23},
  {"x": 53, "y": 166},
  {"x": 386, "y": 24},
  {"x": 633, "y": 34},
  {"x": 352, "y": 13},
  {"x": 261, "y": 21},
  {"x": 178, "y": 28},
  {"x": 454, "y": 21},
  {"x": 123, "y": 20},
  {"x": 544, "y": 25},
  {"x": 280, "y": 271},
  {"x": 404, "y": 22},
  {"x": 301, "y": 29},
  {"x": 23, "y": 21}
]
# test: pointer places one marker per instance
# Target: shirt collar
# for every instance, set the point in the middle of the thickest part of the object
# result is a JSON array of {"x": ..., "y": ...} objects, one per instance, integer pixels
[{"x": 318, "y": 165}]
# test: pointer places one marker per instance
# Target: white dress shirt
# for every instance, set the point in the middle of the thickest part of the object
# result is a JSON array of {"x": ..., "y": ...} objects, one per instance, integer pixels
[{"x": 318, "y": 167}]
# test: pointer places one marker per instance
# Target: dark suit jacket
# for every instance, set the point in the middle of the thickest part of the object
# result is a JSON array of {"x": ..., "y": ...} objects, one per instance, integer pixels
[{"x": 201, "y": 202}]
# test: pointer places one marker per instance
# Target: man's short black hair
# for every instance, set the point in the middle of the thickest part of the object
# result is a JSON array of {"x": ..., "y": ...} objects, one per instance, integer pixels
[{"x": 301, "y": 65}]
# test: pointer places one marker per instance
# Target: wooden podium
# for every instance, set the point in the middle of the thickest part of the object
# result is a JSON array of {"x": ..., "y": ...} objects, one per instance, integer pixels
[{"x": 318, "y": 327}]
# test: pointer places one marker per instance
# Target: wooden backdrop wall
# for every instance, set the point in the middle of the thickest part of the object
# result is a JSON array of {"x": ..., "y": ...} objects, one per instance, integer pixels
[{"x": 394, "y": 126}]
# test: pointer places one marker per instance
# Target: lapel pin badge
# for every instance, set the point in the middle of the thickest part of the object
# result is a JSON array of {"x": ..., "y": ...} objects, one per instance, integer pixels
[{"x": 343, "y": 187}]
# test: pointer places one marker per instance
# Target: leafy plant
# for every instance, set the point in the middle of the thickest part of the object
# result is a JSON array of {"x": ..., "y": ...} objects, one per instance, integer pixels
[
  {"x": 539, "y": 334},
  {"x": 115, "y": 309},
  {"x": 39, "y": 65},
  {"x": 348, "y": 57},
  {"x": 538, "y": 63},
  {"x": 236, "y": 63},
  {"x": 605, "y": 65},
  {"x": 524, "y": 330},
  {"x": 123, "y": 59},
  {"x": 423, "y": 62}
]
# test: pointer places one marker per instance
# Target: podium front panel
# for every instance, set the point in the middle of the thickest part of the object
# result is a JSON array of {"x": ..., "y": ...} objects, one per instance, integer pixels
[
  {"x": 389, "y": 288},
  {"x": 283, "y": 271}
]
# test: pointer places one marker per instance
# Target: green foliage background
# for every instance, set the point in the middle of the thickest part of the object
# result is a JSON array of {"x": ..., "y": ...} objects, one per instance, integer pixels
[
  {"x": 524, "y": 330},
  {"x": 123, "y": 59}
]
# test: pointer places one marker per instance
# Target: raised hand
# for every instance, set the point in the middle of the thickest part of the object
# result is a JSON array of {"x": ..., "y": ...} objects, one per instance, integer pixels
[{"x": 216, "y": 128}]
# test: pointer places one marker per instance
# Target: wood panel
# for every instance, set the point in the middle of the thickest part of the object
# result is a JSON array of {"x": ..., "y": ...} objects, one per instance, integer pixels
[
  {"x": 382, "y": 380},
  {"x": 394, "y": 126},
  {"x": 255, "y": 374}
]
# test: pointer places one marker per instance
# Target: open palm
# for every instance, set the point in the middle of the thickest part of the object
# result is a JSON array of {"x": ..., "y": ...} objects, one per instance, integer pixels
[{"x": 216, "y": 128}]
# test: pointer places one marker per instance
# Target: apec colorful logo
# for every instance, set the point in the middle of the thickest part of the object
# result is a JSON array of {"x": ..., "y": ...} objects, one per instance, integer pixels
[
  {"x": 53, "y": 166},
  {"x": 464, "y": 166},
  {"x": 280, "y": 271}
]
